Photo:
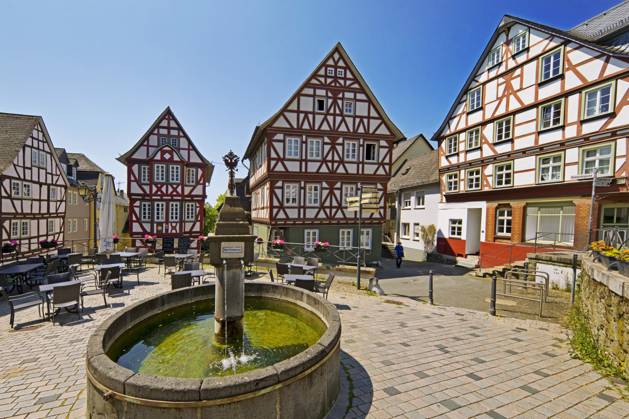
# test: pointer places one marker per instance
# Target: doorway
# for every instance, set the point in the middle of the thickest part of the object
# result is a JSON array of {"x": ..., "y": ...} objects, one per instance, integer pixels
[{"x": 472, "y": 233}]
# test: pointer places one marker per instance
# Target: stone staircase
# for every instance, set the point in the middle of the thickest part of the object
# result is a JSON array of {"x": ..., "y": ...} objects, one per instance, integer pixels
[{"x": 469, "y": 262}]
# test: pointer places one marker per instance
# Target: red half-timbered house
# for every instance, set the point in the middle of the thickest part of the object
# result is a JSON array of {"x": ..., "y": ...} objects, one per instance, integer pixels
[
  {"x": 331, "y": 136},
  {"x": 32, "y": 184},
  {"x": 166, "y": 182}
]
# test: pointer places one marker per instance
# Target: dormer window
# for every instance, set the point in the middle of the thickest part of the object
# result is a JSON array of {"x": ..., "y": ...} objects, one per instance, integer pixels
[
  {"x": 320, "y": 104},
  {"x": 330, "y": 71},
  {"x": 519, "y": 42},
  {"x": 495, "y": 56},
  {"x": 474, "y": 99},
  {"x": 340, "y": 72}
]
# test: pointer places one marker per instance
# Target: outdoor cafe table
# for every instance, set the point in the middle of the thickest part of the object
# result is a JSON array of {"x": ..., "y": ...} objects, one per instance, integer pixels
[
  {"x": 197, "y": 273},
  {"x": 303, "y": 266},
  {"x": 109, "y": 266},
  {"x": 66, "y": 255},
  {"x": 19, "y": 274},
  {"x": 47, "y": 289},
  {"x": 308, "y": 279},
  {"x": 127, "y": 256}
]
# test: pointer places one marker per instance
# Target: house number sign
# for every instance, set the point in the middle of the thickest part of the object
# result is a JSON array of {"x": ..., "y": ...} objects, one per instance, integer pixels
[{"x": 232, "y": 250}]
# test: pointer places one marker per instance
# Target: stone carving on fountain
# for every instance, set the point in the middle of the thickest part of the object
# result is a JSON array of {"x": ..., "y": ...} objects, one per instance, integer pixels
[{"x": 231, "y": 247}]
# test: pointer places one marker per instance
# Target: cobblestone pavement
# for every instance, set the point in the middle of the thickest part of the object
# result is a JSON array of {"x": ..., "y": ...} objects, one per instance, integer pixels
[{"x": 403, "y": 359}]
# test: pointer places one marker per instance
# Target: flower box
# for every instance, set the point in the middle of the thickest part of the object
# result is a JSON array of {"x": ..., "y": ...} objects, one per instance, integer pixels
[
  {"x": 9, "y": 247},
  {"x": 320, "y": 246},
  {"x": 277, "y": 244}
]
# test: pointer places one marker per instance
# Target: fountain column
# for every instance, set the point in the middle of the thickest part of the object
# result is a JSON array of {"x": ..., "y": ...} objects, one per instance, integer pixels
[{"x": 231, "y": 247}]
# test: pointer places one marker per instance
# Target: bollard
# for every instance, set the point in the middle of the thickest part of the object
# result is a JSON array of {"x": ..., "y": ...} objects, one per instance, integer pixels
[
  {"x": 430, "y": 300},
  {"x": 574, "y": 278},
  {"x": 492, "y": 300}
]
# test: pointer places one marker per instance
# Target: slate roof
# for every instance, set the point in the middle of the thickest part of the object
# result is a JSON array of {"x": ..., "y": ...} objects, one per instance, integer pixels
[
  {"x": 85, "y": 164},
  {"x": 14, "y": 131},
  {"x": 404, "y": 145},
  {"x": 605, "y": 24},
  {"x": 419, "y": 171}
]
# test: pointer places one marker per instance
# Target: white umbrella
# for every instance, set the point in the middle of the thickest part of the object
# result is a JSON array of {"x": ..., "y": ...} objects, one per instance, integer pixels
[{"x": 107, "y": 220}]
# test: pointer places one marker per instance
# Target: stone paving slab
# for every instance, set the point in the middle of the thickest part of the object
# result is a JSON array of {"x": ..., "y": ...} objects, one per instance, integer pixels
[{"x": 400, "y": 358}]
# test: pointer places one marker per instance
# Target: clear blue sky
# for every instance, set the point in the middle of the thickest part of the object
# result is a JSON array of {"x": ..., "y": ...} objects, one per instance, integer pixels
[{"x": 100, "y": 72}]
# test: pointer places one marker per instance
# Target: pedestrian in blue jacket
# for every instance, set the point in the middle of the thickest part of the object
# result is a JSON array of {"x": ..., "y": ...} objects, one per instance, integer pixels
[{"x": 399, "y": 254}]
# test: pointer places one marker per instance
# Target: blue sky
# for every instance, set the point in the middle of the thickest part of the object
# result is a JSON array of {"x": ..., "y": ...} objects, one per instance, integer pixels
[{"x": 100, "y": 72}]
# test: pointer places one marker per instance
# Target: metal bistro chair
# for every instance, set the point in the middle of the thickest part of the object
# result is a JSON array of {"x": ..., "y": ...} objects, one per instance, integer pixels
[
  {"x": 24, "y": 301},
  {"x": 282, "y": 269},
  {"x": 89, "y": 259},
  {"x": 57, "y": 278},
  {"x": 66, "y": 297},
  {"x": 101, "y": 259},
  {"x": 183, "y": 245},
  {"x": 305, "y": 284},
  {"x": 296, "y": 270},
  {"x": 171, "y": 264},
  {"x": 74, "y": 262},
  {"x": 96, "y": 286},
  {"x": 158, "y": 259},
  {"x": 299, "y": 260},
  {"x": 114, "y": 259},
  {"x": 324, "y": 287},
  {"x": 114, "y": 275},
  {"x": 180, "y": 280},
  {"x": 168, "y": 245}
]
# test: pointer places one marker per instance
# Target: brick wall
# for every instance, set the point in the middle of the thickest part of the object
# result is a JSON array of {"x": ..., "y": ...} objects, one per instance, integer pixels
[{"x": 582, "y": 219}]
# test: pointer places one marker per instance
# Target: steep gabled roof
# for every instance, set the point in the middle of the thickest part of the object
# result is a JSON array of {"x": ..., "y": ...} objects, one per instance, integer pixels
[
  {"x": 508, "y": 20},
  {"x": 257, "y": 132},
  {"x": 85, "y": 164},
  {"x": 605, "y": 24},
  {"x": 421, "y": 170},
  {"x": 403, "y": 146},
  {"x": 123, "y": 158},
  {"x": 15, "y": 129}
]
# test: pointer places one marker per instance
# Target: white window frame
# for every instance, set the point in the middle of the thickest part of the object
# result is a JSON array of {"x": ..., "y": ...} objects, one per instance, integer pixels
[
  {"x": 551, "y": 125},
  {"x": 34, "y": 157},
  {"x": 376, "y": 151},
  {"x": 452, "y": 179},
  {"x": 504, "y": 214},
  {"x": 174, "y": 142},
  {"x": 554, "y": 72},
  {"x": 160, "y": 173},
  {"x": 498, "y": 171},
  {"x": 173, "y": 212},
  {"x": 145, "y": 211},
  {"x": 53, "y": 193},
  {"x": 43, "y": 159},
  {"x": 340, "y": 72},
  {"x": 471, "y": 99},
  {"x": 311, "y": 235},
  {"x": 494, "y": 57},
  {"x": 291, "y": 194},
  {"x": 407, "y": 200},
  {"x": 405, "y": 230},
  {"x": 350, "y": 150},
  {"x": 313, "y": 194},
  {"x": 51, "y": 226},
  {"x": 452, "y": 145},
  {"x": 28, "y": 186},
  {"x": 325, "y": 104},
  {"x": 457, "y": 224},
  {"x": 15, "y": 229},
  {"x": 315, "y": 152},
  {"x": 597, "y": 91},
  {"x": 346, "y": 238},
  {"x": 476, "y": 139},
  {"x": 330, "y": 71},
  {"x": 144, "y": 174},
  {"x": 366, "y": 236},
  {"x": 517, "y": 47},
  {"x": 420, "y": 203},
  {"x": 348, "y": 190},
  {"x": 348, "y": 107},
  {"x": 293, "y": 147},
  {"x": 597, "y": 158},
  {"x": 16, "y": 192},
  {"x": 478, "y": 177},
  {"x": 560, "y": 216},
  {"x": 191, "y": 175},
  {"x": 499, "y": 125},
  {"x": 550, "y": 165},
  {"x": 190, "y": 211},
  {"x": 417, "y": 232},
  {"x": 25, "y": 232},
  {"x": 174, "y": 173},
  {"x": 160, "y": 210}
]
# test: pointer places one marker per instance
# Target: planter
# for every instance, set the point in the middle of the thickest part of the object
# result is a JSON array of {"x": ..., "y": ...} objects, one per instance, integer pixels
[
  {"x": 607, "y": 261},
  {"x": 623, "y": 268}
]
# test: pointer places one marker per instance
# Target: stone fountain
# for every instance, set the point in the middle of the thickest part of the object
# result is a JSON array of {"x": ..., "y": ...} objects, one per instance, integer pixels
[{"x": 231, "y": 247}]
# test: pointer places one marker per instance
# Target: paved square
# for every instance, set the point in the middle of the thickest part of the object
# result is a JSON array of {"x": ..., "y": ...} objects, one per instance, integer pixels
[{"x": 403, "y": 359}]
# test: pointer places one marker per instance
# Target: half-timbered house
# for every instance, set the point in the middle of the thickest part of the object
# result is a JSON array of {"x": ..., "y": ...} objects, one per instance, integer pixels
[
  {"x": 330, "y": 136},
  {"x": 542, "y": 110},
  {"x": 166, "y": 182},
  {"x": 33, "y": 184}
]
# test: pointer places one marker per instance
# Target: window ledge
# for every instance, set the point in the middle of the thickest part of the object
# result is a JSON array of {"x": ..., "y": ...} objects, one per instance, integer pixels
[
  {"x": 473, "y": 149},
  {"x": 523, "y": 50},
  {"x": 550, "y": 80},
  {"x": 475, "y": 110},
  {"x": 595, "y": 117},
  {"x": 503, "y": 141},
  {"x": 494, "y": 66},
  {"x": 549, "y": 129}
]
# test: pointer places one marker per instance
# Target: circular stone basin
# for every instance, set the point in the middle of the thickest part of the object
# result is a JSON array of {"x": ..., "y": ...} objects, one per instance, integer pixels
[
  {"x": 180, "y": 342},
  {"x": 157, "y": 358}
]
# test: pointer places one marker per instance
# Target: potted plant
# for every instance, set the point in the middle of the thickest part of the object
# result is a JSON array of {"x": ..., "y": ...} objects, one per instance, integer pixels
[
  {"x": 9, "y": 247},
  {"x": 320, "y": 246},
  {"x": 149, "y": 240},
  {"x": 609, "y": 256},
  {"x": 598, "y": 246},
  {"x": 277, "y": 244},
  {"x": 115, "y": 238},
  {"x": 623, "y": 262},
  {"x": 48, "y": 244}
]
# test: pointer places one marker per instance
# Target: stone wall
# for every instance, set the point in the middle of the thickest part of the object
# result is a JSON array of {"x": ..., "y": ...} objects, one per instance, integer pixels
[{"x": 605, "y": 302}]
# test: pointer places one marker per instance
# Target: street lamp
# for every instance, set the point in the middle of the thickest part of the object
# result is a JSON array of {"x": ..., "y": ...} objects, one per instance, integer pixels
[
  {"x": 596, "y": 181},
  {"x": 89, "y": 194}
]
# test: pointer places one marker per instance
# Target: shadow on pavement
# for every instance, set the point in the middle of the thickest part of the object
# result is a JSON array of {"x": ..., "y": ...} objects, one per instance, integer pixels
[
  {"x": 388, "y": 270},
  {"x": 356, "y": 393}
]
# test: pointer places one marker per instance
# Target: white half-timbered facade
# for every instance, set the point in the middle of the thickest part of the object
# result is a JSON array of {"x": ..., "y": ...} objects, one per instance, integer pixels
[
  {"x": 33, "y": 184},
  {"x": 166, "y": 182},
  {"x": 331, "y": 136},
  {"x": 542, "y": 109}
]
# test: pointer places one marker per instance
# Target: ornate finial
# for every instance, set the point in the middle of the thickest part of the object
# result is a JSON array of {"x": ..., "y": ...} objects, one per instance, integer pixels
[{"x": 231, "y": 161}]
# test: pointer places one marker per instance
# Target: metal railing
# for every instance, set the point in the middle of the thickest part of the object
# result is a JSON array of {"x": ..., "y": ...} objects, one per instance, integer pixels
[{"x": 340, "y": 255}]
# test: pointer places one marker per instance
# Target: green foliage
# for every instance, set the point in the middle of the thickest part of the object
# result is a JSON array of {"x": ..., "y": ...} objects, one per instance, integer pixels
[
  {"x": 584, "y": 345},
  {"x": 211, "y": 214}
]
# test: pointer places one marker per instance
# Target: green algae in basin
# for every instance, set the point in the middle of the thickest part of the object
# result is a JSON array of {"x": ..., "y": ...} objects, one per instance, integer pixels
[{"x": 180, "y": 342}]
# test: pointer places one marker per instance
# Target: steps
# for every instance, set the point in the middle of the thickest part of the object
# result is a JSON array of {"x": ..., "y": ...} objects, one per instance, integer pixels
[{"x": 469, "y": 262}]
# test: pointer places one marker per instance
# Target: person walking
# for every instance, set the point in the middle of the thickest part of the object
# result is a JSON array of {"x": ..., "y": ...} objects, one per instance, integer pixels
[{"x": 399, "y": 254}]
